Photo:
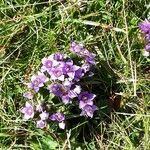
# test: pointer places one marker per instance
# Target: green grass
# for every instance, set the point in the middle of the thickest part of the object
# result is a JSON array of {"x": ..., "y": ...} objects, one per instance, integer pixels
[{"x": 30, "y": 30}]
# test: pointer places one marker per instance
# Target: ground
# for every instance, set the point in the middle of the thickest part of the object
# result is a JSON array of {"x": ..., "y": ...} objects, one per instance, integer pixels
[{"x": 31, "y": 30}]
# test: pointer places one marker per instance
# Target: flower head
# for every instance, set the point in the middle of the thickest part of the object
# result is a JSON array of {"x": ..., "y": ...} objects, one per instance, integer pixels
[
  {"x": 57, "y": 89},
  {"x": 147, "y": 47},
  {"x": 70, "y": 93},
  {"x": 59, "y": 117},
  {"x": 28, "y": 95},
  {"x": 86, "y": 67},
  {"x": 37, "y": 81},
  {"x": 88, "y": 110},
  {"x": 69, "y": 69},
  {"x": 76, "y": 48},
  {"x": 28, "y": 111},
  {"x": 86, "y": 98},
  {"x": 48, "y": 63},
  {"x": 83, "y": 52},
  {"x": 79, "y": 74},
  {"x": 145, "y": 26},
  {"x": 66, "y": 99},
  {"x": 147, "y": 36},
  {"x": 59, "y": 56},
  {"x": 39, "y": 108},
  {"x": 90, "y": 59},
  {"x": 41, "y": 124},
  {"x": 44, "y": 115},
  {"x": 74, "y": 91},
  {"x": 57, "y": 74}
]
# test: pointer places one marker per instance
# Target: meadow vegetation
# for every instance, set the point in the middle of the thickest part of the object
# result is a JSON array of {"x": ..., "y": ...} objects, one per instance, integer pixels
[{"x": 33, "y": 29}]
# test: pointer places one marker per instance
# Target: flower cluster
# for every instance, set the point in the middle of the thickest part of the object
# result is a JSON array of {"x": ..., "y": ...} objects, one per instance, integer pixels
[
  {"x": 145, "y": 28},
  {"x": 61, "y": 76}
]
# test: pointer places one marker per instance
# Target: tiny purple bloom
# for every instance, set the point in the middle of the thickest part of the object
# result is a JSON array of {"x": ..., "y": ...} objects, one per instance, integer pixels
[
  {"x": 57, "y": 74},
  {"x": 39, "y": 108},
  {"x": 69, "y": 69},
  {"x": 86, "y": 67},
  {"x": 76, "y": 48},
  {"x": 85, "y": 98},
  {"x": 90, "y": 59},
  {"x": 147, "y": 47},
  {"x": 148, "y": 37},
  {"x": 72, "y": 93},
  {"x": 59, "y": 56},
  {"x": 79, "y": 74},
  {"x": 57, "y": 89},
  {"x": 66, "y": 99},
  {"x": 44, "y": 115},
  {"x": 28, "y": 95},
  {"x": 37, "y": 81},
  {"x": 83, "y": 52},
  {"x": 145, "y": 26},
  {"x": 47, "y": 64},
  {"x": 57, "y": 117},
  {"x": 67, "y": 82},
  {"x": 28, "y": 111},
  {"x": 88, "y": 110},
  {"x": 41, "y": 124}
]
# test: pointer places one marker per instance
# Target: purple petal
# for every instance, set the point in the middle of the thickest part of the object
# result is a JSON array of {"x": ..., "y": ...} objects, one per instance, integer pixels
[
  {"x": 44, "y": 115},
  {"x": 41, "y": 124}
]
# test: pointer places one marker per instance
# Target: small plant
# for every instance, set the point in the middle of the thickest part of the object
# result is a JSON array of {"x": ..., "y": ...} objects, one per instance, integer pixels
[
  {"x": 60, "y": 77},
  {"x": 145, "y": 29}
]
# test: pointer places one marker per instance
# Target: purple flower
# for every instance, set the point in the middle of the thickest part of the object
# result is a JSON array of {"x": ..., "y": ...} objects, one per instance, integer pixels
[
  {"x": 28, "y": 111},
  {"x": 83, "y": 52},
  {"x": 66, "y": 99},
  {"x": 71, "y": 93},
  {"x": 76, "y": 48},
  {"x": 44, "y": 115},
  {"x": 69, "y": 69},
  {"x": 57, "y": 89},
  {"x": 148, "y": 37},
  {"x": 59, "y": 117},
  {"x": 57, "y": 74},
  {"x": 88, "y": 110},
  {"x": 85, "y": 98},
  {"x": 145, "y": 26},
  {"x": 147, "y": 47},
  {"x": 68, "y": 82},
  {"x": 90, "y": 59},
  {"x": 79, "y": 74},
  {"x": 48, "y": 63},
  {"x": 41, "y": 124},
  {"x": 39, "y": 108},
  {"x": 28, "y": 95},
  {"x": 75, "y": 91},
  {"x": 86, "y": 67},
  {"x": 59, "y": 56},
  {"x": 37, "y": 81}
]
